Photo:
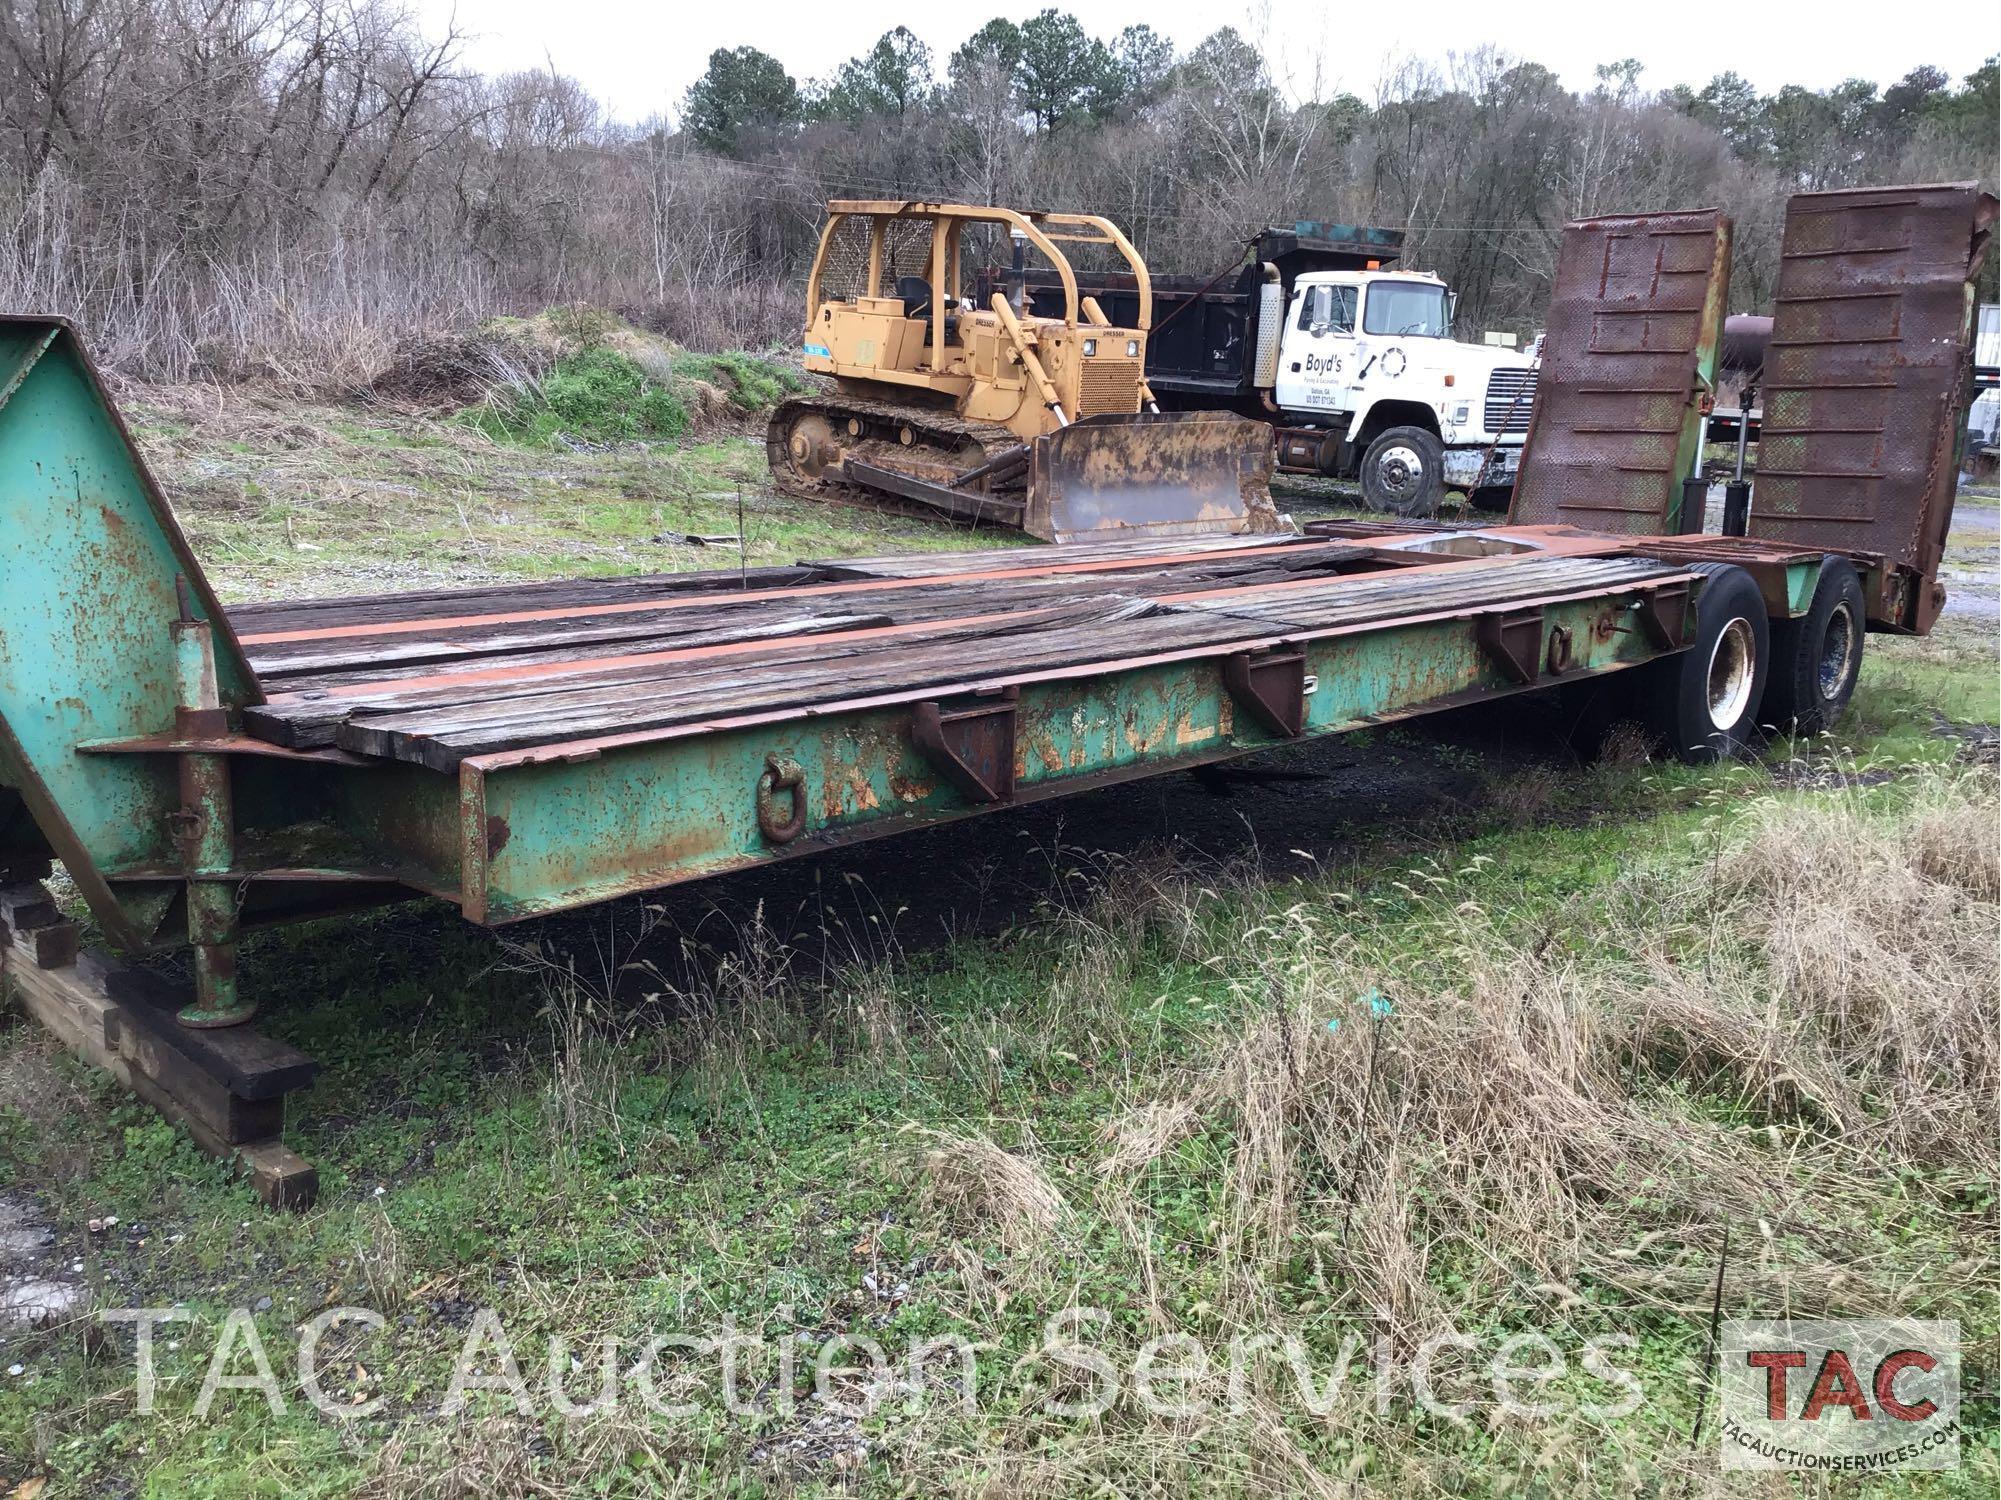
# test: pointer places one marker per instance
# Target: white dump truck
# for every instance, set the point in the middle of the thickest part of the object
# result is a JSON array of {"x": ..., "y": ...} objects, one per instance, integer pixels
[{"x": 1351, "y": 361}]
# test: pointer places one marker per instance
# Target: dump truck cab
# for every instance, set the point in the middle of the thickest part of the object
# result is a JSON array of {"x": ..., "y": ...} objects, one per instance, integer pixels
[{"x": 1365, "y": 353}]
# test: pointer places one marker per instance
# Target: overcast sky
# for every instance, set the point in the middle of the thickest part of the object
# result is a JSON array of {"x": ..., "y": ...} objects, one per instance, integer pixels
[{"x": 640, "y": 58}]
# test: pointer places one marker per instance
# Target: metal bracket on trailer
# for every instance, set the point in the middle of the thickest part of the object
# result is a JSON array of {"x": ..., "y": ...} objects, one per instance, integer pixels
[
  {"x": 972, "y": 747},
  {"x": 1512, "y": 639},
  {"x": 1664, "y": 615},
  {"x": 1270, "y": 688}
]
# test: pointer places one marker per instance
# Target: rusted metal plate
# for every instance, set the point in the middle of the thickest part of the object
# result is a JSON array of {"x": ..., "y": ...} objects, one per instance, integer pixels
[
  {"x": 1866, "y": 377},
  {"x": 95, "y": 573},
  {"x": 1635, "y": 322}
]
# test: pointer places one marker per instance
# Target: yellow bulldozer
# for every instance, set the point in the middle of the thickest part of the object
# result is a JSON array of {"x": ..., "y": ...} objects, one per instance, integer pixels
[{"x": 990, "y": 414}]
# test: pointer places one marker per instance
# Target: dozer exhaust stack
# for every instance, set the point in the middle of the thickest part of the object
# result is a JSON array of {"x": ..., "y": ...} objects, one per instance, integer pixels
[{"x": 1153, "y": 474}]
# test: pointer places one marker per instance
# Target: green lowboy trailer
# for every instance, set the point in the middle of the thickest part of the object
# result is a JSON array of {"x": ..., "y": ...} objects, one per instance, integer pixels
[{"x": 526, "y": 749}]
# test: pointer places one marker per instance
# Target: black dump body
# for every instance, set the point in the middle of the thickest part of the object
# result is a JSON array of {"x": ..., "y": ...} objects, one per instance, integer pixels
[{"x": 1204, "y": 333}]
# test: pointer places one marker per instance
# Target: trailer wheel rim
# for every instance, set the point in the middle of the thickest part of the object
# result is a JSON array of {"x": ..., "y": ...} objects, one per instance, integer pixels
[
  {"x": 1400, "y": 471},
  {"x": 1733, "y": 664},
  {"x": 1837, "y": 651}
]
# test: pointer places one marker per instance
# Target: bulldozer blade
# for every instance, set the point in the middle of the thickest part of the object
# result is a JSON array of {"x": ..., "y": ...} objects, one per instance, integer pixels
[{"x": 1157, "y": 474}]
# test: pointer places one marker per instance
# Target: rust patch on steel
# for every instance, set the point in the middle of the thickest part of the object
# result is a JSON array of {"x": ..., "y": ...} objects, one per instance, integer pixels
[
  {"x": 1866, "y": 379},
  {"x": 1635, "y": 321},
  {"x": 907, "y": 788},
  {"x": 497, "y": 834}
]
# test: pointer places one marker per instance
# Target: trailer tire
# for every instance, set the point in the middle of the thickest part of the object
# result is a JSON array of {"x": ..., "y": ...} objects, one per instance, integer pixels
[
  {"x": 1403, "y": 473},
  {"x": 1704, "y": 700},
  {"x": 1816, "y": 658}
]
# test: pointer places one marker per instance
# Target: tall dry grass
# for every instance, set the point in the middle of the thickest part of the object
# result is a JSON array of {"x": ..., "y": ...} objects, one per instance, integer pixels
[
  {"x": 319, "y": 310},
  {"x": 1761, "y": 1039},
  {"x": 330, "y": 306},
  {"x": 1446, "y": 1111}
]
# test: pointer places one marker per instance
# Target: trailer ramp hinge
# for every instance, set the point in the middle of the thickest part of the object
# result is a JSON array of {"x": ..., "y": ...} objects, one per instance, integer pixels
[
  {"x": 972, "y": 747},
  {"x": 1663, "y": 615},
  {"x": 1512, "y": 640},
  {"x": 1270, "y": 688}
]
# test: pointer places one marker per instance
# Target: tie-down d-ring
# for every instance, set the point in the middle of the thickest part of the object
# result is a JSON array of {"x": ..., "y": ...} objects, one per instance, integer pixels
[
  {"x": 1560, "y": 642},
  {"x": 781, "y": 774}
]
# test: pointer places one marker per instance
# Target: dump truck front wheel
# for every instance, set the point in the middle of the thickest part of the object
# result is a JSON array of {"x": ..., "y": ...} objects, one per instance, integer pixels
[
  {"x": 1403, "y": 473},
  {"x": 1816, "y": 658}
]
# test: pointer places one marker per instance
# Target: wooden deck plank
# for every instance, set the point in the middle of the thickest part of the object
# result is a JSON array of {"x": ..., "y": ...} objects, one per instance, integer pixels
[
  {"x": 304, "y": 709},
  {"x": 567, "y": 639},
  {"x": 308, "y": 719},
  {"x": 306, "y": 614},
  {"x": 443, "y": 740},
  {"x": 319, "y": 664},
  {"x": 441, "y": 736},
  {"x": 387, "y": 622},
  {"x": 944, "y": 564},
  {"x": 476, "y": 685}
]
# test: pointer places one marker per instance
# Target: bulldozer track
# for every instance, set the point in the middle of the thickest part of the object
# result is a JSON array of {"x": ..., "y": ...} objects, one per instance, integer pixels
[{"x": 941, "y": 438}]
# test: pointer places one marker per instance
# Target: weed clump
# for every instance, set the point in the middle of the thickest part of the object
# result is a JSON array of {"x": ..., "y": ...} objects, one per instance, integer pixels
[
  {"x": 598, "y": 396},
  {"x": 752, "y": 385},
  {"x": 603, "y": 382}
]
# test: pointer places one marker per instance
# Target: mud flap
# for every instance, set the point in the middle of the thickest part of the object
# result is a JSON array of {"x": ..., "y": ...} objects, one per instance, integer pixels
[{"x": 1154, "y": 474}]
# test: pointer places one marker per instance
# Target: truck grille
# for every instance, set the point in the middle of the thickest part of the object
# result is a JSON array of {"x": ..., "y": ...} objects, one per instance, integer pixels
[
  {"x": 1503, "y": 389},
  {"x": 1109, "y": 385}
]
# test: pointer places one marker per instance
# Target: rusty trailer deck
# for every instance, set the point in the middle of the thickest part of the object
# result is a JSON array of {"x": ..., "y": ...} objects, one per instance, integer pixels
[{"x": 527, "y": 750}]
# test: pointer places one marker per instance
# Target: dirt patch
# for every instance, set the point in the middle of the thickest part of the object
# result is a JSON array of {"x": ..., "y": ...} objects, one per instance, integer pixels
[
  {"x": 1979, "y": 744},
  {"x": 1971, "y": 571}
]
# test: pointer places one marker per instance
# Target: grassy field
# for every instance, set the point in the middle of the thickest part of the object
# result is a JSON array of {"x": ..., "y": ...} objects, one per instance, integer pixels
[
  {"x": 280, "y": 498},
  {"x": 1542, "y": 1056}
]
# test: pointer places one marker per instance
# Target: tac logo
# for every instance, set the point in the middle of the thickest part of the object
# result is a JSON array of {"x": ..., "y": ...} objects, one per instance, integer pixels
[{"x": 1843, "y": 1397}]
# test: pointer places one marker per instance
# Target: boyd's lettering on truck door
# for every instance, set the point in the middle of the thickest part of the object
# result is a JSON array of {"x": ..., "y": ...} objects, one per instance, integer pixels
[{"x": 1321, "y": 364}]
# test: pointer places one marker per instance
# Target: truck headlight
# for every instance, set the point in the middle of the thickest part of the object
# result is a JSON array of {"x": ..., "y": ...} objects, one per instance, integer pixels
[
  {"x": 1132, "y": 348},
  {"x": 1460, "y": 413},
  {"x": 1090, "y": 348}
]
